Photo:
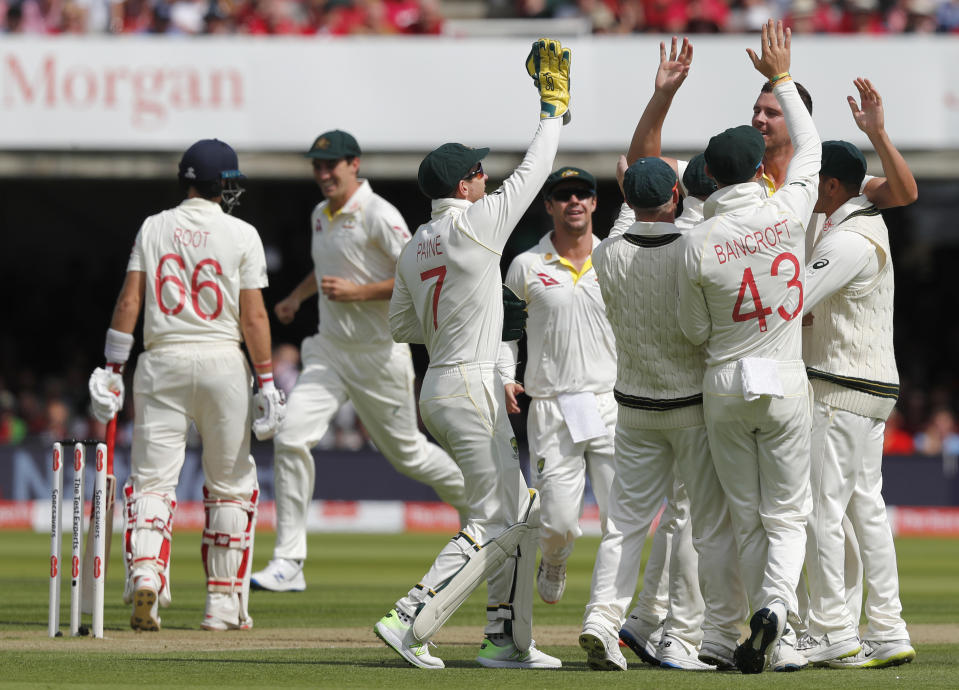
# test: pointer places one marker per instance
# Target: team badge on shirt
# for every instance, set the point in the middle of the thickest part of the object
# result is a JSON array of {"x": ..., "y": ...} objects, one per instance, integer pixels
[{"x": 515, "y": 446}]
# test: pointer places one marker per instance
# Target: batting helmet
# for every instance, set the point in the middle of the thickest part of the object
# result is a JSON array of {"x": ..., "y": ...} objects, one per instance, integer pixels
[{"x": 212, "y": 167}]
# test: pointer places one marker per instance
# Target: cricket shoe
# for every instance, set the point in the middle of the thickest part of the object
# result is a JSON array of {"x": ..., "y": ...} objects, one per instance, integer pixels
[
  {"x": 718, "y": 655},
  {"x": 819, "y": 650},
  {"x": 223, "y": 613},
  {"x": 145, "y": 610},
  {"x": 602, "y": 650},
  {"x": 551, "y": 581},
  {"x": 492, "y": 655},
  {"x": 785, "y": 657},
  {"x": 876, "y": 654},
  {"x": 398, "y": 634},
  {"x": 765, "y": 628},
  {"x": 676, "y": 653},
  {"x": 280, "y": 575},
  {"x": 643, "y": 638}
]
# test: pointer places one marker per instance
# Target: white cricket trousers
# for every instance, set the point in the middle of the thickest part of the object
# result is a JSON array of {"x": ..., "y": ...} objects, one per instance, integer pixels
[
  {"x": 558, "y": 470},
  {"x": 760, "y": 449},
  {"x": 464, "y": 408},
  {"x": 648, "y": 461},
  {"x": 867, "y": 513},
  {"x": 378, "y": 380},
  {"x": 209, "y": 385}
]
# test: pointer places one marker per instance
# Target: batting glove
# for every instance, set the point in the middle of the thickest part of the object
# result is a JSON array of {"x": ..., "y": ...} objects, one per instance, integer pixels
[
  {"x": 269, "y": 409},
  {"x": 106, "y": 394},
  {"x": 548, "y": 65},
  {"x": 514, "y": 315}
]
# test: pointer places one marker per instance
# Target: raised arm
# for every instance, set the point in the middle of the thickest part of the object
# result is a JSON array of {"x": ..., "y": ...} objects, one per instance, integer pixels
[
  {"x": 672, "y": 72},
  {"x": 799, "y": 193},
  {"x": 492, "y": 219},
  {"x": 898, "y": 187}
]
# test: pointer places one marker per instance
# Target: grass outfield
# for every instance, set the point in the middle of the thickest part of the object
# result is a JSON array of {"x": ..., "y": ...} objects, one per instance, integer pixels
[{"x": 323, "y": 637}]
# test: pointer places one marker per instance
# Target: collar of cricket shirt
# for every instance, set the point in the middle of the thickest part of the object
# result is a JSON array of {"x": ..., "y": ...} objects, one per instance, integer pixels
[
  {"x": 354, "y": 203},
  {"x": 850, "y": 207},
  {"x": 448, "y": 204},
  {"x": 735, "y": 197}
]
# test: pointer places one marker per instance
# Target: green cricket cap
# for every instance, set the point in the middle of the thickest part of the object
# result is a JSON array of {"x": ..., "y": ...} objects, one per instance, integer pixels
[
  {"x": 334, "y": 145},
  {"x": 649, "y": 182},
  {"x": 444, "y": 167},
  {"x": 695, "y": 179},
  {"x": 844, "y": 161},
  {"x": 733, "y": 156},
  {"x": 568, "y": 174}
]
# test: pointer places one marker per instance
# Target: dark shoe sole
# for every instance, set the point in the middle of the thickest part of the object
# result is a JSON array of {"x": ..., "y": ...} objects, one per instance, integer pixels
[
  {"x": 142, "y": 618},
  {"x": 750, "y": 656},
  {"x": 638, "y": 648}
]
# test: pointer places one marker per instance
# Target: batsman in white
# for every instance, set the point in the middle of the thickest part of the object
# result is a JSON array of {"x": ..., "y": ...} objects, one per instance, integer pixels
[
  {"x": 197, "y": 272},
  {"x": 448, "y": 295},
  {"x": 851, "y": 364},
  {"x": 741, "y": 296},
  {"x": 570, "y": 373},
  {"x": 356, "y": 238}
]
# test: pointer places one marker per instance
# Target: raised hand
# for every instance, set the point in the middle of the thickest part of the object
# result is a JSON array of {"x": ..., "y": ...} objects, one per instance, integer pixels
[
  {"x": 774, "y": 59},
  {"x": 870, "y": 117},
  {"x": 673, "y": 70}
]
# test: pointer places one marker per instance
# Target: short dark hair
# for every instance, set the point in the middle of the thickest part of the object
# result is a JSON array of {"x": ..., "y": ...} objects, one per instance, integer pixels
[
  {"x": 803, "y": 93},
  {"x": 208, "y": 189}
]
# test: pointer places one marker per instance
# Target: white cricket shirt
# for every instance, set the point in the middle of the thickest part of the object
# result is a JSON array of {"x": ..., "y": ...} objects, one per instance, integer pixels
[
  {"x": 569, "y": 341},
  {"x": 196, "y": 259},
  {"x": 361, "y": 242},
  {"x": 745, "y": 264},
  {"x": 448, "y": 291}
]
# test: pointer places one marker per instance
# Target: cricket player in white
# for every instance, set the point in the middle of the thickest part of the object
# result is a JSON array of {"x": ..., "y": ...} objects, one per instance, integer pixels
[
  {"x": 570, "y": 373},
  {"x": 199, "y": 272},
  {"x": 356, "y": 239},
  {"x": 848, "y": 349},
  {"x": 660, "y": 437},
  {"x": 448, "y": 295},
  {"x": 742, "y": 298}
]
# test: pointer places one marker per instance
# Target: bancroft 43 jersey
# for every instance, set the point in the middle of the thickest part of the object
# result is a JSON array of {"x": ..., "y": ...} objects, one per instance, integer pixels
[{"x": 196, "y": 259}]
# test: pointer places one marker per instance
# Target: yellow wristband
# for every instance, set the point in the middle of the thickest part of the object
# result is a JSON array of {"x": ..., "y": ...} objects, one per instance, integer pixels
[
  {"x": 778, "y": 77},
  {"x": 780, "y": 81}
]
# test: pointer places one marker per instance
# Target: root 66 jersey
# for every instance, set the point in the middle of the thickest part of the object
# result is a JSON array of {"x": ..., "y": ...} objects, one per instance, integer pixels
[{"x": 196, "y": 259}]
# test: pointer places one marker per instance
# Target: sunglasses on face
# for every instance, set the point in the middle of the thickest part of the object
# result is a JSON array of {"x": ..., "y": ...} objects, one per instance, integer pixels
[
  {"x": 567, "y": 193},
  {"x": 475, "y": 172}
]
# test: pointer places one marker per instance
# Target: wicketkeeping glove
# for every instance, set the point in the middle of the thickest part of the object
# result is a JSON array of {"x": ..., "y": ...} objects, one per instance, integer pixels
[
  {"x": 514, "y": 315},
  {"x": 269, "y": 409},
  {"x": 548, "y": 65},
  {"x": 106, "y": 393}
]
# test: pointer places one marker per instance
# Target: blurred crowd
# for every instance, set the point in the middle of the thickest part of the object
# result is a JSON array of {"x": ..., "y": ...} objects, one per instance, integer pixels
[
  {"x": 55, "y": 408},
  {"x": 425, "y": 17}
]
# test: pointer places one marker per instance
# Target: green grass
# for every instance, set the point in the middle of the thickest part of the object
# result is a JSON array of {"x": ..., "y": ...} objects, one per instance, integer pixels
[{"x": 353, "y": 580}]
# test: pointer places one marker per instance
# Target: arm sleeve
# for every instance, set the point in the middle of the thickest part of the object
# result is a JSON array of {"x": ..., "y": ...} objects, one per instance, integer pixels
[
  {"x": 680, "y": 171},
  {"x": 840, "y": 258},
  {"x": 509, "y": 351},
  {"x": 389, "y": 230},
  {"x": 253, "y": 268},
  {"x": 624, "y": 221},
  {"x": 508, "y": 356},
  {"x": 492, "y": 219},
  {"x": 692, "y": 313},
  {"x": 137, "y": 261},
  {"x": 798, "y": 194},
  {"x": 404, "y": 325}
]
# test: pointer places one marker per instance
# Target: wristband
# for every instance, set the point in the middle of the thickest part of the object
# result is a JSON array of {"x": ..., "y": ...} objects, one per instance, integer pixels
[
  {"x": 264, "y": 375},
  {"x": 118, "y": 346},
  {"x": 779, "y": 77}
]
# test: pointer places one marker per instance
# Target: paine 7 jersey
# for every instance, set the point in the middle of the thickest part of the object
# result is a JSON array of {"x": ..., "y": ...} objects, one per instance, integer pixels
[
  {"x": 451, "y": 282},
  {"x": 196, "y": 259},
  {"x": 744, "y": 295}
]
